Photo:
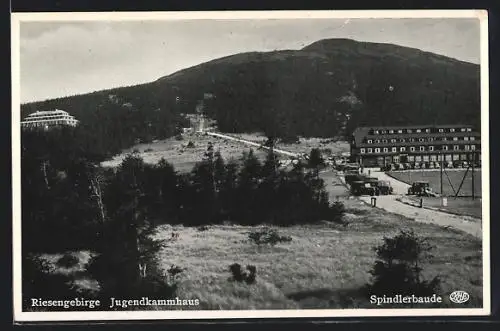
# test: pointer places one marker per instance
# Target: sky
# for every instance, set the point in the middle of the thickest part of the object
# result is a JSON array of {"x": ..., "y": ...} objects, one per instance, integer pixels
[{"x": 67, "y": 58}]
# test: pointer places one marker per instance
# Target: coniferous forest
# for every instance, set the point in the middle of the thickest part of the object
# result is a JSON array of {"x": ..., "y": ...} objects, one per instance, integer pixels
[{"x": 70, "y": 203}]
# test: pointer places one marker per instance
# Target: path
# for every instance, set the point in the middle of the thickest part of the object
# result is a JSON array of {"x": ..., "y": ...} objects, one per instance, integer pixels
[
  {"x": 389, "y": 203},
  {"x": 224, "y": 136}
]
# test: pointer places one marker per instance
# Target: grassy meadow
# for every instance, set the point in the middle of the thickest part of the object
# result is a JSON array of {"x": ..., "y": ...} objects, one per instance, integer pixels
[{"x": 324, "y": 266}]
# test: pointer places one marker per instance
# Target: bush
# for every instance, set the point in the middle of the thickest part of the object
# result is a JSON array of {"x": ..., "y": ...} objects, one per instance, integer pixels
[
  {"x": 147, "y": 150},
  {"x": 203, "y": 228},
  {"x": 67, "y": 261},
  {"x": 248, "y": 276},
  {"x": 179, "y": 137},
  {"x": 267, "y": 236},
  {"x": 190, "y": 144},
  {"x": 398, "y": 269}
]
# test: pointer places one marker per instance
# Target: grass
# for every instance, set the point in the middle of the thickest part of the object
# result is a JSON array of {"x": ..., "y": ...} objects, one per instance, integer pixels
[
  {"x": 434, "y": 179},
  {"x": 461, "y": 206},
  {"x": 324, "y": 266}
]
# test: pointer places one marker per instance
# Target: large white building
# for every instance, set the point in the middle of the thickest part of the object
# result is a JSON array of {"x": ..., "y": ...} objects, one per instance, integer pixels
[{"x": 48, "y": 119}]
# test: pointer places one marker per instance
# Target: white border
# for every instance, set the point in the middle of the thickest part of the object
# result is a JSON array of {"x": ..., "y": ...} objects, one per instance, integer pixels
[{"x": 20, "y": 316}]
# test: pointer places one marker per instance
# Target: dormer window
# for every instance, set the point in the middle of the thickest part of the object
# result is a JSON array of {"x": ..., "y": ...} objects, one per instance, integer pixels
[
  {"x": 466, "y": 138},
  {"x": 376, "y": 131},
  {"x": 472, "y": 138},
  {"x": 463, "y": 129},
  {"x": 441, "y": 130},
  {"x": 400, "y": 131},
  {"x": 409, "y": 131},
  {"x": 469, "y": 129},
  {"x": 455, "y": 138},
  {"x": 370, "y": 141},
  {"x": 452, "y": 130},
  {"x": 391, "y": 131},
  {"x": 418, "y": 130},
  {"x": 428, "y": 130}
]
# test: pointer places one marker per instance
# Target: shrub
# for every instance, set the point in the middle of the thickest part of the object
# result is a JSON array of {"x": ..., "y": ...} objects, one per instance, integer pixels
[
  {"x": 398, "y": 269},
  {"x": 203, "y": 228},
  {"x": 190, "y": 144},
  {"x": 147, "y": 150},
  {"x": 248, "y": 276},
  {"x": 179, "y": 137},
  {"x": 67, "y": 261},
  {"x": 267, "y": 236}
]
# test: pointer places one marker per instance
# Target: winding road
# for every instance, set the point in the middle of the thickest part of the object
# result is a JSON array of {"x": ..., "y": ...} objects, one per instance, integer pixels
[{"x": 389, "y": 203}]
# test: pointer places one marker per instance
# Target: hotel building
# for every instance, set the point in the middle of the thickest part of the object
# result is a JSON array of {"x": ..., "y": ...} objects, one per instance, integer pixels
[
  {"x": 48, "y": 119},
  {"x": 380, "y": 146}
]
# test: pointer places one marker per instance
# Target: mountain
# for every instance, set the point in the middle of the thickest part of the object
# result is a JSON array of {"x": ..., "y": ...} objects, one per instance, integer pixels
[{"x": 324, "y": 89}]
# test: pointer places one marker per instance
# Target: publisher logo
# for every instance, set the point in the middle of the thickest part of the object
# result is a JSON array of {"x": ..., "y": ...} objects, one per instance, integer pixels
[{"x": 459, "y": 297}]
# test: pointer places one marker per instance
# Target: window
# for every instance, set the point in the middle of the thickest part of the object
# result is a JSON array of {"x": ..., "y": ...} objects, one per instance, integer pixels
[
  {"x": 376, "y": 131},
  {"x": 384, "y": 131},
  {"x": 455, "y": 138},
  {"x": 400, "y": 131},
  {"x": 369, "y": 141},
  {"x": 444, "y": 139},
  {"x": 473, "y": 147},
  {"x": 421, "y": 139},
  {"x": 384, "y": 140},
  {"x": 393, "y": 140},
  {"x": 431, "y": 148},
  {"x": 469, "y": 129},
  {"x": 431, "y": 139},
  {"x": 362, "y": 150},
  {"x": 418, "y": 130},
  {"x": 456, "y": 147},
  {"x": 445, "y": 148},
  {"x": 369, "y": 150},
  {"x": 428, "y": 130},
  {"x": 422, "y": 148},
  {"x": 441, "y": 130},
  {"x": 472, "y": 138},
  {"x": 391, "y": 131},
  {"x": 463, "y": 129},
  {"x": 377, "y": 141},
  {"x": 401, "y": 140},
  {"x": 466, "y": 138},
  {"x": 452, "y": 130},
  {"x": 412, "y": 139},
  {"x": 386, "y": 149},
  {"x": 402, "y": 149},
  {"x": 409, "y": 131},
  {"x": 377, "y": 150},
  {"x": 394, "y": 149},
  {"x": 412, "y": 149},
  {"x": 466, "y": 147}
]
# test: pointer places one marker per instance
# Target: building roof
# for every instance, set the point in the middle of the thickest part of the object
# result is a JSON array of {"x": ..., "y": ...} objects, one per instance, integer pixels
[{"x": 364, "y": 132}]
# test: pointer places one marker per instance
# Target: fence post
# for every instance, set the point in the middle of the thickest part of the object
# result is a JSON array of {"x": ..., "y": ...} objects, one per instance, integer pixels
[
  {"x": 374, "y": 202},
  {"x": 421, "y": 202}
]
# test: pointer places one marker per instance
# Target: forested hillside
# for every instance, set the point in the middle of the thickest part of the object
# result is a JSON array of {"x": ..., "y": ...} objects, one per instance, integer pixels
[{"x": 325, "y": 89}]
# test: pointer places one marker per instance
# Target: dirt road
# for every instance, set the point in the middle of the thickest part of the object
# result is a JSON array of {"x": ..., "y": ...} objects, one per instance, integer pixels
[{"x": 389, "y": 203}]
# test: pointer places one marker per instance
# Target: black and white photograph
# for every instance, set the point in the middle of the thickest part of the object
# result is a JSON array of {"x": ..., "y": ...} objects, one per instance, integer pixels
[{"x": 265, "y": 164}]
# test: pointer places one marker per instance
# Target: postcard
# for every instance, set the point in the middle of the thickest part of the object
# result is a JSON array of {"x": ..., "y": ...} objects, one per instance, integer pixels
[{"x": 237, "y": 164}]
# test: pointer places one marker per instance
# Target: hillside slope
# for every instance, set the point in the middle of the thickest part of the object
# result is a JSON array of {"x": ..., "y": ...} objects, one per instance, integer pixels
[{"x": 325, "y": 89}]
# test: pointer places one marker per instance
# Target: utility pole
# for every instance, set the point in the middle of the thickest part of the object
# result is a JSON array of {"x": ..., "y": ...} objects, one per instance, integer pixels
[
  {"x": 441, "y": 171},
  {"x": 473, "y": 160}
]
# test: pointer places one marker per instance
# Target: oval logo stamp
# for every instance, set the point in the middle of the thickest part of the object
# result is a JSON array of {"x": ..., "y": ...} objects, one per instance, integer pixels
[{"x": 459, "y": 297}]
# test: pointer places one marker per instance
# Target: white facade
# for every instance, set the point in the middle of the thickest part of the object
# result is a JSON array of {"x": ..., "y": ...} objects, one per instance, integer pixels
[{"x": 47, "y": 119}]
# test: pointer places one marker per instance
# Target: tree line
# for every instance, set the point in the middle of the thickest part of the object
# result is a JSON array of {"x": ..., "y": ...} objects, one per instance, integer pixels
[{"x": 68, "y": 197}]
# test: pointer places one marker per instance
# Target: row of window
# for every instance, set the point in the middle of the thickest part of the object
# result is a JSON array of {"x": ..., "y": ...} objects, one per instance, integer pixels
[
  {"x": 403, "y": 140},
  {"x": 41, "y": 118},
  {"x": 413, "y": 149},
  {"x": 427, "y": 130}
]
